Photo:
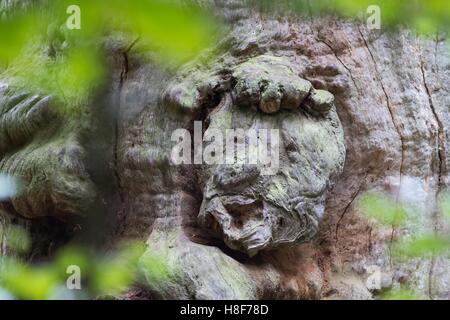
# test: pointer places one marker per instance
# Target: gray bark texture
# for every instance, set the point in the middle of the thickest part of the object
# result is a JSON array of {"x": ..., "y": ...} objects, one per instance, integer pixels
[{"x": 357, "y": 111}]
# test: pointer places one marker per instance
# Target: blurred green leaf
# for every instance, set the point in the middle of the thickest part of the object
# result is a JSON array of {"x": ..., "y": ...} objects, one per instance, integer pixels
[
  {"x": 15, "y": 32},
  {"x": 73, "y": 256},
  {"x": 112, "y": 277},
  {"x": 383, "y": 209},
  {"x": 69, "y": 78},
  {"x": 44, "y": 56},
  {"x": 156, "y": 267},
  {"x": 116, "y": 273},
  {"x": 422, "y": 246},
  {"x": 180, "y": 32},
  {"x": 30, "y": 283},
  {"x": 101, "y": 275},
  {"x": 424, "y": 15},
  {"x": 400, "y": 294}
]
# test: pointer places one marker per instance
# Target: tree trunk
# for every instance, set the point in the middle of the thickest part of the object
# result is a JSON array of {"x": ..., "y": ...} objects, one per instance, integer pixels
[{"x": 388, "y": 122}]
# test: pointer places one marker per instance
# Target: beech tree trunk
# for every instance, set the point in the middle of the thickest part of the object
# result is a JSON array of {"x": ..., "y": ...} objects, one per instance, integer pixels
[{"x": 386, "y": 131}]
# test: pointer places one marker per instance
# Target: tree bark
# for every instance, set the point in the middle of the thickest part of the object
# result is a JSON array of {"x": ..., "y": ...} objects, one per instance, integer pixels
[{"x": 389, "y": 122}]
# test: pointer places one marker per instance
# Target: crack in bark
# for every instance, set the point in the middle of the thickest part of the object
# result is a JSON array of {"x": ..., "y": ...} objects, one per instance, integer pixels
[
  {"x": 397, "y": 129},
  {"x": 347, "y": 207},
  {"x": 441, "y": 131},
  {"x": 370, "y": 245},
  {"x": 441, "y": 162},
  {"x": 388, "y": 104},
  {"x": 123, "y": 77},
  {"x": 430, "y": 277},
  {"x": 321, "y": 40},
  {"x": 391, "y": 242}
]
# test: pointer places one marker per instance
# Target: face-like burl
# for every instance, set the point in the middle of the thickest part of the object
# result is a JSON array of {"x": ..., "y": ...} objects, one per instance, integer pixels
[{"x": 248, "y": 206}]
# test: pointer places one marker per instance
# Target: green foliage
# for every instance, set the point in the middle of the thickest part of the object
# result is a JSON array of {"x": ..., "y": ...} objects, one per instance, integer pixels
[
  {"x": 114, "y": 274},
  {"x": 400, "y": 294},
  {"x": 14, "y": 34},
  {"x": 383, "y": 209},
  {"x": 391, "y": 213},
  {"x": 156, "y": 267},
  {"x": 424, "y": 15},
  {"x": 70, "y": 78},
  {"x": 26, "y": 282},
  {"x": 40, "y": 53},
  {"x": 101, "y": 275},
  {"x": 422, "y": 246},
  {"x": 72, "y": 255}
]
